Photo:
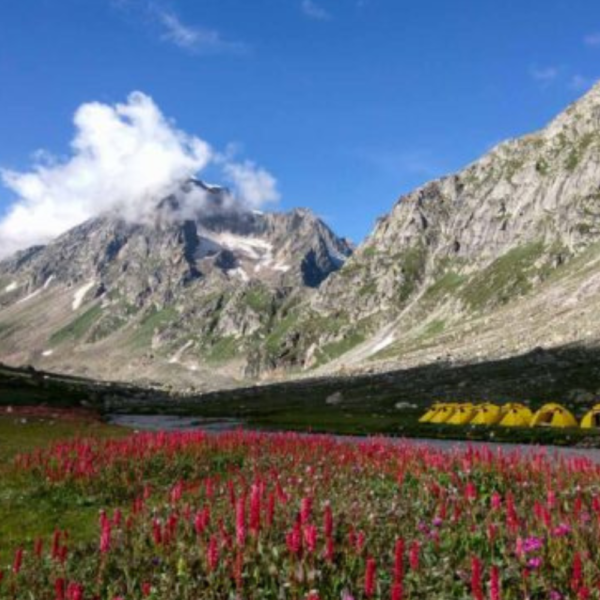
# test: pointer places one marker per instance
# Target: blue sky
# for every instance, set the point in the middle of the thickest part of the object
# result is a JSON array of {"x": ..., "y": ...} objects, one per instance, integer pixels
[{"x": 347, "y": 103}]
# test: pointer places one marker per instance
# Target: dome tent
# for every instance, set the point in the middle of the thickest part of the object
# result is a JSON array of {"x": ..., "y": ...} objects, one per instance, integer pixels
[
  {"x": 462, "y": 415},
  {"x": 426, "y": 418},
  {"x": 444, "y": 412},
  {"x": 591, "y": 419},
  {"x": 516, "y": 415},
  {"x": 487, "y": 414},
  {"x": 553, "y": 415}
]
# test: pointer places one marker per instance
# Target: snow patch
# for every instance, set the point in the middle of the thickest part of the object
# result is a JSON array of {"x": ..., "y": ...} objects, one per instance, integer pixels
[
  {"x": 11, "y": 287},
  {"x": 80, "y": 294},
  {"x": 239, "y": 272},
  {"x": 30, "y": 296},
  {"x": 384, "y": 343},
  {"x": 177, "y": 356},
  {"x": 47, "y": 352},
  {"x": 283, "y": 267},
  {"x": 36, "y": 292},
  {"x": 254, "y": 248}
]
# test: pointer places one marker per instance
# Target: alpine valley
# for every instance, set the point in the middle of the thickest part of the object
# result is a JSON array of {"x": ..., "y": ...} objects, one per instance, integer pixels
[{"x": 489, "y": 263}]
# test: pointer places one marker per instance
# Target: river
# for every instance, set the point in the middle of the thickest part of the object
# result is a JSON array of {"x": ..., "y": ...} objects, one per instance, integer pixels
[{"x": 180, "y": 423}]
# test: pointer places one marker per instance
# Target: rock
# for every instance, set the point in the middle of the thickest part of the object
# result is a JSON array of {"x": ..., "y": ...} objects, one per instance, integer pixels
[
  {"x": 581, "y": 396},
  {"x": 404, "y": 405},
  {"x": 334, "y": 399}
]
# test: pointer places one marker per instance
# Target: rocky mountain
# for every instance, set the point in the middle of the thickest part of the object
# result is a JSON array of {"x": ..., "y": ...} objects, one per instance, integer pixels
[
  {"x": 169, "y": 299},
  {"x": 490, "y": 262},
  {"x": 494, "y": 261}
]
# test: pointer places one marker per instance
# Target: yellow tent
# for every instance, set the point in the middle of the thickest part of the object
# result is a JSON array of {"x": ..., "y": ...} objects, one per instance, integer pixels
[
  {"x": 487, "y": 414},
  {"x": 516, "y": 415},
  {"x": 553, "y": 415},
  {"x": 462, "y": 415},
  {"x": 444, "y": 412},
  {"x": 426, "y": 418},
  {"x": 591, "y": 418}
]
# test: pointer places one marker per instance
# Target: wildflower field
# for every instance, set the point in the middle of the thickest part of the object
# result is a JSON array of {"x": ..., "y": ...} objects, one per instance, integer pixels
[{"x": 283, "y": 516}]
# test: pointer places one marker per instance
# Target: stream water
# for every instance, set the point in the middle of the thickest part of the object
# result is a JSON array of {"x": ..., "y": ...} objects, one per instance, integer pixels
[{"x": 180, "y": 423}]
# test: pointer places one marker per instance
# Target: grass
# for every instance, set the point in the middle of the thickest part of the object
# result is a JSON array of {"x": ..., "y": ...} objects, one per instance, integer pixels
[
  {"x": 336, "y": 349},
  {"x": 280, "y": 330},
  {"x": 412, "y": 263},
  {"x": 77, "y": 329},
  {"x": 26, "y": 512},
  {"x": 142, "y": 336},
  {"x": 434, "y": 328},
  {"x": 508, "y": 277},
  {"x": 446, "y": 285},
  {"x": 258, "y": 299},
  {"x": 224, "y": 349}
]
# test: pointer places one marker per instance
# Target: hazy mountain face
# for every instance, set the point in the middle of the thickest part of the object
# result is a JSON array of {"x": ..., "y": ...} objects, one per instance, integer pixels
[{"x": 488, "y": 262}]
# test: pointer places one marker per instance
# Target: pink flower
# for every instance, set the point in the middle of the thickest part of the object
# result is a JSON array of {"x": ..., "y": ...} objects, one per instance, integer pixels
[
  {"x": 59, "y": 589},
  {"x": 75, "y": 592},
  {"x": 305, "y": 509},
  {"x": 18, "y": 561},
  {"x": 496, "y": 501},
  {"x": 360, "y": 541},
  {"x": 519, "y": 548},
  {"x": 293, "y": 539},
  {"x": 399, "y": 561},
  {"x": 328, "y": 522},
  {"x": 561, "y": 530},
  {"x": 470, "y": 492},
  {"x": 255, "y": 509},
  {"x": 240, "y": 521},
  {"x": 370, "y": 576},
  {"x": 413, "y": 556},
  {"x": 532, "y": 544},
  {"x": 584, "y": 593},
  {"x": 213, "y": 553},
  {"x": 495, "y": 583},
  {"x": 310, "y": 537},
  {"x": 105, "y": 533},
  {"x": 476, "y": 587}
]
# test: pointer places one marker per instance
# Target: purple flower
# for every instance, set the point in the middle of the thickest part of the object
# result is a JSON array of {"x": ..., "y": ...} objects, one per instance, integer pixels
[
  {"x": 437, "y": 522},
  {"x": 561, "y": 530},
  {"x": 532, "y": 544},
  {"x": 534, "y": 563}
]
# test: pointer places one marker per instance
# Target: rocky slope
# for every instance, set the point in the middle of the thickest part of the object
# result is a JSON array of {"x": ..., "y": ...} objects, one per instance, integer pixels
[
  {"x": 489, "y": 262},
  {"x": 177, "y": 300}
]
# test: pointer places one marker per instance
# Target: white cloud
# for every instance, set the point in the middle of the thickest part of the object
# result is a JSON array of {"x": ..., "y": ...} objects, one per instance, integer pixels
[
  {"x": 545, "y": 74},
  {"x": 125, "y": 159},
  {"x": 193, "y": 38},
  {"x": 252, "y": 183},
  {"x": 312, "y": 10},
  {"x": 593, "y": 39}
]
